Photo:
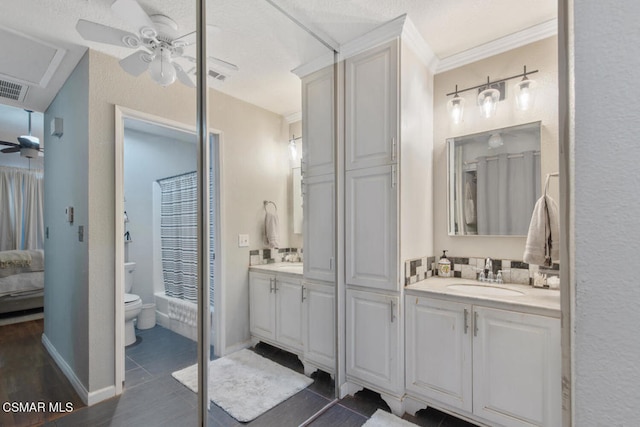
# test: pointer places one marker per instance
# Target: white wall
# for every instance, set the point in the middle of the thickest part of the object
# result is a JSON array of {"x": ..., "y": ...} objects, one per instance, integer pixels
[
  {"x": 148, "y": 158},
  {"x": 66, "y": 287},
  {"x": 607, "y": 203},
  {"x": 541, "y": 55}
]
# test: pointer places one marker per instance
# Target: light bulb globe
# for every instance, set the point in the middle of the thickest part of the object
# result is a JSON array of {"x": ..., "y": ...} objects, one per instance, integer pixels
[{"x": 161, "y": 68}]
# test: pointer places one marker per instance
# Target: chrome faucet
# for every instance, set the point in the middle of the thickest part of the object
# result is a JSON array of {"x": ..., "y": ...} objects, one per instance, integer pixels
[{"x": 488, "y": 265}]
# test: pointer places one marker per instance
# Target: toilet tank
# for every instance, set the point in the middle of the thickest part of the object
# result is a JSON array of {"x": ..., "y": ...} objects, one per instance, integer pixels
[{"x": 129, "y": 269}]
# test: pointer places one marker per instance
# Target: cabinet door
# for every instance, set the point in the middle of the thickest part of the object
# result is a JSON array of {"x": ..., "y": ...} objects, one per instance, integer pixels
[
  {"x": 262, "y": 318},
  {"x": 516, "y": 368},
  {"x": 438, "y": 343},
  {"x": 317, "y": 123},
  {"x": 319, "y": 315},
  {"x": 371, "y": 228},
  {"x": 289, "y": 312},
  {"x": 371, "y": 110},
  {"x": 319, "y": 228},
  {"x": 373, "y": 344}
]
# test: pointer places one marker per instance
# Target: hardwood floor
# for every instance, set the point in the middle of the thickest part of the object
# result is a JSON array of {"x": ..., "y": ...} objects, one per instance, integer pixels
[
  {"x": 153, "y": 398},
  {"x": 29, "y": 374}
]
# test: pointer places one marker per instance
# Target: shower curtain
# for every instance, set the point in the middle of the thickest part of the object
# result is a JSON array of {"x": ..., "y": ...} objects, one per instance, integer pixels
[
  {"x": 21, "y": 209},
  {"x": 178, "y": 235},
  {"x": 507, "y": 189}
]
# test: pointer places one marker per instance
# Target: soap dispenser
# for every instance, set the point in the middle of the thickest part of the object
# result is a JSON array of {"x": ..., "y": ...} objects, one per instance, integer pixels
[{"x": 444, "y": 265}]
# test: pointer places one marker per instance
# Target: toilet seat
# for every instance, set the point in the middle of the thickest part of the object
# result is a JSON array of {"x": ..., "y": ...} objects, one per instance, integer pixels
[{"x": 131, "y": 299}]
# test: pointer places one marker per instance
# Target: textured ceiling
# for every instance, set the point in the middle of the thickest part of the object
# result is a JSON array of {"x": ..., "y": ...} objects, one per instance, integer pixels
[{"x": 266, "y": 45}]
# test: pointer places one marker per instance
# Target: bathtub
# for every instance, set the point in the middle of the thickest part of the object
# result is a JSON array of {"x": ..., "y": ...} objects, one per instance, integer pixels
[{"x": 179, "y": 316}]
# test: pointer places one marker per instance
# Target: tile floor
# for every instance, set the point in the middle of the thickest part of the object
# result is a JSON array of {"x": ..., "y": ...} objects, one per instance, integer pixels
[{"x": 153, "y": 398}]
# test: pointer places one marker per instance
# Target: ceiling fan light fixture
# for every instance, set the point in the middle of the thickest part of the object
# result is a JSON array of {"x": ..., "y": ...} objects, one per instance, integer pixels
[
  {"x": 161, "y": 68},
  {"x": 29, "y": 153}
]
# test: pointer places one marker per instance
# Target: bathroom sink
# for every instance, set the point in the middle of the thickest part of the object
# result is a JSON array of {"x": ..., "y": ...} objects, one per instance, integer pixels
[{"x": 485, "y": 290}]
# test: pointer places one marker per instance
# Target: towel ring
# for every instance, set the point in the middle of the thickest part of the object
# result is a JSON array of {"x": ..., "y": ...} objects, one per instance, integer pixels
[{"x": 266, "y": 202}]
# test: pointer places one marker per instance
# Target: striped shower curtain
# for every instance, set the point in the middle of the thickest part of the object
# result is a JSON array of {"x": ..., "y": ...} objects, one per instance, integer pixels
[{"x": 178, "y": 235}]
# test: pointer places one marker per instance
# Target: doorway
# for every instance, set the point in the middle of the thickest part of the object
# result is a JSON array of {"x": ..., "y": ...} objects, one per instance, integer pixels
[{"x": 152, "y": 153}]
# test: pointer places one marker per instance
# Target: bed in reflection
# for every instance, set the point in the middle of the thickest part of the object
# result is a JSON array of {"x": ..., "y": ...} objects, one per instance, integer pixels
[{"x": 21, "y": 281}]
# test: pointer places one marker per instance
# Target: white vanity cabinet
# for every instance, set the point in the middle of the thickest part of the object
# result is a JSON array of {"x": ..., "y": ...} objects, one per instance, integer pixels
[
  {"x": 517, "y": 368},
  {"x": 438, "y": 351},
  {"x": 498, "y": 366},
  {"x": 374, "y": 353},
  {"x": 275, "y": 310},
  {"x": 318, "y": 123},
  {"x": 371, "y": 228},
  {"x": 319, "y": 229},
  {"x": 319, "y": 315},
  {"x": 371, "y": 106}
]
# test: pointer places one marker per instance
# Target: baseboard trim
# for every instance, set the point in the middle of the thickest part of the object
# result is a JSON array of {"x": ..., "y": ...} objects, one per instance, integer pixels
[{"x": 86, "y": 397}]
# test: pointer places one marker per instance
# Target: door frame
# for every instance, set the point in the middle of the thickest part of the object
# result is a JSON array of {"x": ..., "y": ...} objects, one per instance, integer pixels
[{"x": 216, "y": 139}]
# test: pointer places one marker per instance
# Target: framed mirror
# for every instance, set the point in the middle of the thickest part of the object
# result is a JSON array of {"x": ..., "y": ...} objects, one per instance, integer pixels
[{"x": 493, "y": 181}]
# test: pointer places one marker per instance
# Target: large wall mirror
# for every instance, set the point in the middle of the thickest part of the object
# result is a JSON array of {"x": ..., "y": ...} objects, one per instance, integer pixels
[{"x": 494, "y": 181}]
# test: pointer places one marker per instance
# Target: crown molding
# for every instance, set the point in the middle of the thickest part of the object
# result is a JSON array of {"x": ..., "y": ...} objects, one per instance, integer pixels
[
  {"x": 417, "y": 43},
  {"x": 375, "y": 37},
  {"x": 401, "y": 26},
  {"x": 503, "y": 44},
  {"x": 316, "y": 64},
  {"x": 293, "y": 117}
]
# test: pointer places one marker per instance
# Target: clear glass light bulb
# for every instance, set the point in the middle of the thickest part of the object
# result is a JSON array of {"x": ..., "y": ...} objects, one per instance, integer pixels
[
  {"x": 456, "y": 109},
  {"x": 161, "y": 68},
  {"x": 525, "y": 94},
  {"x": 488, "y": 101},
  {"x": 293, "y": 149}
]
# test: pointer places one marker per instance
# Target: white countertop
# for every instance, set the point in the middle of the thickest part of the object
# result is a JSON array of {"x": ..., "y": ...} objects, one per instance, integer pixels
[
  {"x": 545, "y": 302},
  {"x": 290, "y": 268}
]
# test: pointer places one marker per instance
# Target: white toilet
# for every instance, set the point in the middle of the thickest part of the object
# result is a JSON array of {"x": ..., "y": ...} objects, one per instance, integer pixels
[{"x": 132, "y": 304}]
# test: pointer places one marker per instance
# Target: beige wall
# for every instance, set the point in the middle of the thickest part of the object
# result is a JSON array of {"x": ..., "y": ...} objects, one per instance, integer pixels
[{"x": 541, "y": 55}]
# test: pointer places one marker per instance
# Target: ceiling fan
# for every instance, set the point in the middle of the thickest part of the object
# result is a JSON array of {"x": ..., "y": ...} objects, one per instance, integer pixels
[
  {"x": 27, "y": 145},
  {"x": 158, "y": 40}
]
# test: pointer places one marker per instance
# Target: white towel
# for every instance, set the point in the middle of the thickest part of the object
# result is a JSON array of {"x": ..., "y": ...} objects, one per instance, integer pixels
[
  {"x": 469, "y": 204},
  {"x": 271, "y": 230},
  {"x": 543, "y": 245}
]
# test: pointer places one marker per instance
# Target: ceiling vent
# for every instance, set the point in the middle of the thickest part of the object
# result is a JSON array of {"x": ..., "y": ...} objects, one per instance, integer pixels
[
  {"x": 12, "y": 90},
  {"x": 216, "y": 75}
]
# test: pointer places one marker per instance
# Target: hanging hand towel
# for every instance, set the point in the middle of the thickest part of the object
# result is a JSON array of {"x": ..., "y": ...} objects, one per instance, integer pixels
[
  {"x": 543, "y": 245},
  {"x": 271, "y": 230},
  {"x": 469, "y": 204}
]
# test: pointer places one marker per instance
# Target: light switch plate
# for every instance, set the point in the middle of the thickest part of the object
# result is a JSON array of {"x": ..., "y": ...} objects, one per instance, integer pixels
[{"x": 243, "y": 240}]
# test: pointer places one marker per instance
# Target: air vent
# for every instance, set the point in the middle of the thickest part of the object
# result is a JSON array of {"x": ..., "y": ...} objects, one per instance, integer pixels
[
  {"x": 12, "y": 90},
  {"x": 216, "y": 75}
]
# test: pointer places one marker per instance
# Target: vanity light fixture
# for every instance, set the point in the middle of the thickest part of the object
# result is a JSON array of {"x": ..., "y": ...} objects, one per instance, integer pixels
[
  {"x": 525, "y": 92},
  {"x": 495, "y": 140},
  {"x": 490, "y": 93},
  {"x": 455, "y": 107},
  {"x": 292, "y": 147}
]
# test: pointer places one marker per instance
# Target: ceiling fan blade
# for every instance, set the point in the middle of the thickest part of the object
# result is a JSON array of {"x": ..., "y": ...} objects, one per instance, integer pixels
[
  {"x": 11, "y": 150},
  {"x": 183, "y": 76},
  {"x": 131, "y": 11},
  {"x": 223, "y": 64},
  {"x": 101, "y": 33},
  {"x": 11, "y": 144},
  {"x": 135, "y": 64}
]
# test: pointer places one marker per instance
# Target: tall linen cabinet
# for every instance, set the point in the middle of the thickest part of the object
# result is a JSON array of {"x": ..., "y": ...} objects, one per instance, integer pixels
[{"x": 383, "y": 184}]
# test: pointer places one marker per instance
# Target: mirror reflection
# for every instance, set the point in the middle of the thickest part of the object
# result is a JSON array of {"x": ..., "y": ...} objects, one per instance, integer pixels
[{"x": 494, "y": 181}]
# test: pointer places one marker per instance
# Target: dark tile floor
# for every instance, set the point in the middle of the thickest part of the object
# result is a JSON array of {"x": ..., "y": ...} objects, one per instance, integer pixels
[{"x": 153, "y": 398}]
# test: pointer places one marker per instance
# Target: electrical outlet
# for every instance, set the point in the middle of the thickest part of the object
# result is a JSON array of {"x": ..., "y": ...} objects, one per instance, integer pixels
[{"x": 243, "y": 240}]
